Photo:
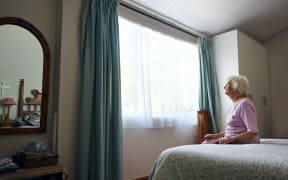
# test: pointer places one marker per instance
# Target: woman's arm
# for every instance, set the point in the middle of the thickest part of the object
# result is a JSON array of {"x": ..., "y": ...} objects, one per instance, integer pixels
[
  {"x": 241, "y": 137},
  {"x": 214, "y": 136}
]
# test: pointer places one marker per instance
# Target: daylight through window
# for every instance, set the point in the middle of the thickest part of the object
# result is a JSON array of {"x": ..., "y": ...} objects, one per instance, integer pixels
[{"x": 159, "y": 78}]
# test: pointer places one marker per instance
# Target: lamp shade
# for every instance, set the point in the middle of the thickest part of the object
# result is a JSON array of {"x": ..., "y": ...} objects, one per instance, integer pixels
[{"x": 8, "y": 101}]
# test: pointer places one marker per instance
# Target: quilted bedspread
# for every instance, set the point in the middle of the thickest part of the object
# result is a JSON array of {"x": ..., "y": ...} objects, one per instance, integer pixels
[{"x": 265, "y": 161}]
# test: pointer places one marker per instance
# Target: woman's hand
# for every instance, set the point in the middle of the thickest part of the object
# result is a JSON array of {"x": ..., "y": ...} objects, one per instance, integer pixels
[
  {"x": 207, "y": 137},
  {"x": 227, "y": 140}
]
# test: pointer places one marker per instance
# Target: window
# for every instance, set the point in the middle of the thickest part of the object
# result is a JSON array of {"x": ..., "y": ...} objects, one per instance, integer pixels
[{"x": 159, "y": 77}]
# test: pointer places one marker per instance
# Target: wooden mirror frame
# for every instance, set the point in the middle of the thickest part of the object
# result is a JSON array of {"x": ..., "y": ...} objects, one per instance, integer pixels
[{"x": 45, "y": 79}]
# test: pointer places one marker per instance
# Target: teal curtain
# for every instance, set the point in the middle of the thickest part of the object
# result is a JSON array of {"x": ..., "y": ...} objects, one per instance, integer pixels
[
  {"x": 208, "y": 84},
  {"x": 100, "y": 125}
]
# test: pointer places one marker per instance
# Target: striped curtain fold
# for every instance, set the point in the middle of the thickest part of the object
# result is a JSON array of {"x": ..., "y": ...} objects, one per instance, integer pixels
[
  {"x": 208, "y": 84},
  {"x": 100, "y": 125}
]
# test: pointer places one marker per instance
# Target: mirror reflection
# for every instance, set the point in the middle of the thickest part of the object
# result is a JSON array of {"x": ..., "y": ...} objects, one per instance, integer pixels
[{"x": 21, "y": 74}]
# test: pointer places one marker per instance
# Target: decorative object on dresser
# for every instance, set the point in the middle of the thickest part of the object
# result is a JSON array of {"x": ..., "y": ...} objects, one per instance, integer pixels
[
  {"x": 35, "y": 154},
  {"x": 8, "y": 102},
  {"x": 6, "y": 166},
  {"x": 36, "y": 147},
  {"x": 31, "y": 160},
  {"x": 31, "y": 104},
  {"x": 29, "y": 108},
  {"x": 5, "y": 121},
  {"x": 34, "y": 162}
]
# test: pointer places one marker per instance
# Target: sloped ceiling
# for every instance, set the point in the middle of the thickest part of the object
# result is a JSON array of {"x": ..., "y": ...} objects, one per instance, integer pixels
[{"x": 260, "y": 19}]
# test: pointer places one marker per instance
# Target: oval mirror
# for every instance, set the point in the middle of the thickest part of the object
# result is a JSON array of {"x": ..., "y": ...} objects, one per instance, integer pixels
[{"x": 24, "y": 77}]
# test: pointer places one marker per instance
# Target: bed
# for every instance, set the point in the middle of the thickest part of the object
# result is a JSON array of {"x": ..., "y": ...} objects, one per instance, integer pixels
[
  {"x": 29, "y": 108},
  {"x": 265, "y": 161}
]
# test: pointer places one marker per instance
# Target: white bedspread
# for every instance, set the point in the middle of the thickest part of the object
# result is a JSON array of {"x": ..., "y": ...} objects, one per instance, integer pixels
[{"x": 265, "y": 161}]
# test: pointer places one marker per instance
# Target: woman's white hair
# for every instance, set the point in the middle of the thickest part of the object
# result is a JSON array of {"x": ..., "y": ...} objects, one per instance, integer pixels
[{"x": 240, "y": 84}]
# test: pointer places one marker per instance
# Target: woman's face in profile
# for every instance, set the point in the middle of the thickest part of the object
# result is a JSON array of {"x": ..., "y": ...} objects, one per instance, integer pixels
[{"x": 228, "y": 89}]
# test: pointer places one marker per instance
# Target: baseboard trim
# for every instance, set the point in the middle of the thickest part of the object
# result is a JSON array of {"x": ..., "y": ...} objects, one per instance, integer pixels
[{"x": 142, "y": 178}]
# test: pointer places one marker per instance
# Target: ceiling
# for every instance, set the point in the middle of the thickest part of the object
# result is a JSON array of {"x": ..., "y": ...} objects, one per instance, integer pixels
[{"x": 260, "y": 19}]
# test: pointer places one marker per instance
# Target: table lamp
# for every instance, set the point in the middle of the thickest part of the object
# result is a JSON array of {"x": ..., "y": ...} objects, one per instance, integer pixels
[{"x": 8, "y": 102}]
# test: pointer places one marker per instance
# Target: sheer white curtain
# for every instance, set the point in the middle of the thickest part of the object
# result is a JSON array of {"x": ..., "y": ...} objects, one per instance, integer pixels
[{"x": 159, "y": 78}]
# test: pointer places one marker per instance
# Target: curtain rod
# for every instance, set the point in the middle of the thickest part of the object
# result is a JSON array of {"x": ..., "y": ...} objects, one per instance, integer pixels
[{"x": 147, "y": 14}]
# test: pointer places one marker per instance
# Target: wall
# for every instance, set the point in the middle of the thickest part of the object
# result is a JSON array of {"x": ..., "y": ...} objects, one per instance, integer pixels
[
  {"x": 68, "y": 107},
  {"x": 142, "y": 146},
  {"x": 278, "y": 63},
  {"x": 41, "y": 13},
  {"x": 252, "y": 56},
  {"x": 225, "y": 52}
]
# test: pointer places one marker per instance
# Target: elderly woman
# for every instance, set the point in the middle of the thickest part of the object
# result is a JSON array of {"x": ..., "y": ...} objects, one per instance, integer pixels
[{"x": 241, "y": 123}]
